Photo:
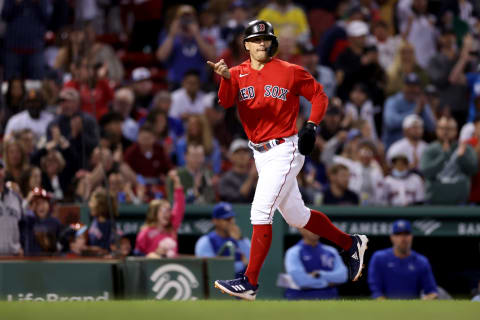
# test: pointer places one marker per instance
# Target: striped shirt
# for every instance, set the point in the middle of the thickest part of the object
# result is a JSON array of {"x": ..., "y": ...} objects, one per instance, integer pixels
[{"x": 10, "y": 214}]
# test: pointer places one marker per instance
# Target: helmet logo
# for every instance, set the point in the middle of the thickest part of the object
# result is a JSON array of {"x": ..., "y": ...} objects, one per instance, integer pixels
[{"x": 261, "y": 27}]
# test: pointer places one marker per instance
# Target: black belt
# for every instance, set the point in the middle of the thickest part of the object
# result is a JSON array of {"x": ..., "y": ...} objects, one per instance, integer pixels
[{"x": 265, "y": 146}]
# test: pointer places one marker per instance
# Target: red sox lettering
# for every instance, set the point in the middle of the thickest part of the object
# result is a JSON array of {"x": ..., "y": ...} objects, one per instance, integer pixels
[{"x": 275, "y": 92}]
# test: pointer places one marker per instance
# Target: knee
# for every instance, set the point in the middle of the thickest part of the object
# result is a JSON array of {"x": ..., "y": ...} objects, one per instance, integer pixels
[
  {"x": 259, "y": 216},
  {"x": 297, "y": 218}
]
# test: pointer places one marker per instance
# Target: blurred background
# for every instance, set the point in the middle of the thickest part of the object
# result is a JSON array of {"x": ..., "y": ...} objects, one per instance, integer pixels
[{"x": 114, "y": 147}]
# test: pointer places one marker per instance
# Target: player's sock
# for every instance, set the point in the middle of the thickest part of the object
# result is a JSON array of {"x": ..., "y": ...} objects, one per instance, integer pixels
[
  {"x": 260, "y": 244},
  {"x": 321, "y": 225}
]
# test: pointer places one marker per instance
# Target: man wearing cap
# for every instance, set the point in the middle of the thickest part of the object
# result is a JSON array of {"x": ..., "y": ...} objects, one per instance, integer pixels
[
  {"x": 34, "y": 116},
  {"x": 11, "y": 212},
  {"x": 226, "y": 230},
  {"x": 409, "y": 101},
  {"x": 400, "y": 272},
  {"x": 411, "y": 144},
  {"x": 142, "y": 86},
  {"x": 238, "y": 184},
  {"x": 78, "y": 127},
  {"x": 403, "y": 187},
  {"x": 448, "y": 166}
]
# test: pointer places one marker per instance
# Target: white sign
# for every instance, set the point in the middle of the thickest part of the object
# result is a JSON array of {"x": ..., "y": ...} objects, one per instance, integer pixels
[
  {"x": 53, "y": 297},
  {"x": 183, "y": 283}
]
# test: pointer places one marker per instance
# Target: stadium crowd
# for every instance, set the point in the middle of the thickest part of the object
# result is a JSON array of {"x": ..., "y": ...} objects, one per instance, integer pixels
[{"x": 111, "y": 103}]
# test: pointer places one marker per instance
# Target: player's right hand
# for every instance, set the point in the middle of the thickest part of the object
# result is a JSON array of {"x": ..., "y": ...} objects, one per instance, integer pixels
[{"x": 220, "y": 68}]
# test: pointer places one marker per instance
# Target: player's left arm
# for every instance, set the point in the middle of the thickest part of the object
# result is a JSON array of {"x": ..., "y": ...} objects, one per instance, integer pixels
[
  {"x": 305, "y": 85},
  {"x": 429, "y": 285}
]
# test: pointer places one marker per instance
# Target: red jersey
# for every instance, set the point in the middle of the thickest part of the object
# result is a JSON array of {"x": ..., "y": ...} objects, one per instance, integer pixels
[{"x": 268, "y": 99}]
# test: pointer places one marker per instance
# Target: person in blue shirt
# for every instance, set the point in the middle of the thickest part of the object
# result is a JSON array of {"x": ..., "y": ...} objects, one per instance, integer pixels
[
  {"x": 183, "y": 47},
  {"x": 410, "y": 100},
  {"x": 400, "y": 272},
  {"x": 226, "y": 231},
  {"x": 316, "y": 269}
]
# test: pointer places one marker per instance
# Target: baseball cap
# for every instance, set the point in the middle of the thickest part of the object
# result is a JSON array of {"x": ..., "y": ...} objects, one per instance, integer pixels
[
  {"x": 401, "y": 226},
  {"x": 223, "y": 210},
  {"x": 140, "y": 74},
  {"x": 238, "y": 144},
  {"x": 396, "y": 152},
  {"x": 357, "y": 28},
  {"x": 40, "y": 193},
  {"x": 411, "y": 120},
  {"x": 431, "y": 90},
  {"x": 411, "y": 78},
  {"x": 69, "y": 94}
]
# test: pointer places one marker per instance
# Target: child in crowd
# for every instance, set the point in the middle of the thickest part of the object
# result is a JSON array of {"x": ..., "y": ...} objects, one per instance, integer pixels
[{"x": 158, "y": 237}]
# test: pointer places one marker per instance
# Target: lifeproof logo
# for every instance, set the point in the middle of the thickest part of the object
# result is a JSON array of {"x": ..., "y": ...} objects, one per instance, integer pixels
[
  {"x": 53, "y": 297},
  {"x": 182, "y": 285}
]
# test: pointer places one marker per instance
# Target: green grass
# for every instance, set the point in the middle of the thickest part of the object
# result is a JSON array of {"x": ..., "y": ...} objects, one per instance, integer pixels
[{"x": 230, "y": 310}]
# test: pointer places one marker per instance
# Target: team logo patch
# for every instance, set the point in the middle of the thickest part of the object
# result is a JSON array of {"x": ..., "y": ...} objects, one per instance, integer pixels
[{"x": 261, "y": 27}]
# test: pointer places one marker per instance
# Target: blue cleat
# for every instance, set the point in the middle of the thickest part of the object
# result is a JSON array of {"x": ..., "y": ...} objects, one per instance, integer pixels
[
  {"x": 354, "y": 256},
  {"x": 240, "y": 288}
]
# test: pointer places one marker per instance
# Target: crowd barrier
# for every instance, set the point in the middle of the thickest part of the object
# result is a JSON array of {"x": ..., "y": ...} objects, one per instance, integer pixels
[
  {"x": 97, "y": 280},
  {"x": 448, "y": 236}
]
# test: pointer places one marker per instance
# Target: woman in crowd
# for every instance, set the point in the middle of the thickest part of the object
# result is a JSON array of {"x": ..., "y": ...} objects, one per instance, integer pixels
[
  {"x": 102, "y": 208},
  {"x": 15, "y": 160},
  {"x": 158, "y": 237}
]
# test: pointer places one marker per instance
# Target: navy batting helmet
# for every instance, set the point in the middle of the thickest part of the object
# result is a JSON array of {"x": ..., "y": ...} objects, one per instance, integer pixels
[{"x": 261, "y": 28}]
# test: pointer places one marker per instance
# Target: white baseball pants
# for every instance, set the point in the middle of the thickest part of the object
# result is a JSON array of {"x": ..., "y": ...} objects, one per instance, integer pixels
[{"x": 277, "y": 186}]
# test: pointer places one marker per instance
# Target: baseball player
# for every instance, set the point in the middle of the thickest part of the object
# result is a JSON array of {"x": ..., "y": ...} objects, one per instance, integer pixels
[{"x": 266, "y": 91}]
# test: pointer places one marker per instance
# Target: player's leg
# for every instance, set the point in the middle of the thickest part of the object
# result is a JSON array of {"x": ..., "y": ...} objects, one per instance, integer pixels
[
  {"x": 273, "y": 168},
  {"x": 298, "y": 215}
]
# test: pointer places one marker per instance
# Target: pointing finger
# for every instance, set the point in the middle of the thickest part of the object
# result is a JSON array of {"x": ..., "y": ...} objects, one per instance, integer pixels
[{"x": 211, "y": 64}]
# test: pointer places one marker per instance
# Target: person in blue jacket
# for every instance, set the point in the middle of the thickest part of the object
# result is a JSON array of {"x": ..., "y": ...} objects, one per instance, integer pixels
[
  {"x": 226, "y": 231},
  {"x": 400, "y": 272},
  {"x": 315, "y": 268}
]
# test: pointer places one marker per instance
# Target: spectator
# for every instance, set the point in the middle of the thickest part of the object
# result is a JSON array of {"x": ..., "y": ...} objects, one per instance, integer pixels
[
  {"x": 27, "y": 140},
  {"x": 338, "y": 192},
  {"x": 40, "y": 231},
  {"x": 238, "y": 17},
  {"x": 411, "y": 144},
  {"x": 79, "y": 128},
  {"x": 403, "y": 64},
  {"x": 387, "y": 45},
  {"x": 410, "y": 101},
  {"x": 189, "y": 99},
  {"x": 199, "y": 132},
  {"x": 123, "y": 102},
  {"x": 472, "y": 79},
  {"x": 9, "y": 223},
  {"x": 24, "y": 38},
  {"x": 210, "y": 28},
  {"x": 54, "y": 178},
  {"x": 103, "y": 208},
  {"x": 16, "y": 161},
  {"x": 111, "y": 132},
  {"x": 403, "y": 187},
  {"x": 451, "y": 95},
  {"x": 92, "y": 85},
  {"x": 400, "y": 272},
  {"x": 30, "y": 179},
  {"x": 122, "y": 189},
  {"x": 287, "y": 45},
  {"x": 142, "y": 86},
  {"x": 321, "y": 73},
  {"x": 14, "y": 98},
  {"x": 74, "y": 241},
  {"x": 147, "y": 23},
  {"x": 225, "y": 237},
  {"x": 316, "y": 269},
  {"x": 34, "y": 117},
  {"x": 75, "y": 48},
  {"x": 162, "y": 224},
  {"x": 331, "y": 124},
  {"x": 51, "y": 87},
  {"x": 147, "y": 158},
  {"x": 197, "y": 180},
  {"x": 238, "y": 184},
  {"x": 183, "y": 47},
  {"x": 418, "y": 27},
  {"x": 163, "y": 101},
  {"x": 475, "y": 143},
  {"x": 283, "y": 12},
  {"x": 448, "y": 166},
  {"x": 158, "y": 119},
  {"x": 361, "y": 107}
]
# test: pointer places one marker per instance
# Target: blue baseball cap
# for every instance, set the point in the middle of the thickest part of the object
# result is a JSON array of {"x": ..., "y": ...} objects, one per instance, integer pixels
[
  {"x": 401, "y": 226},
  {"x": 223, "y": 210}
]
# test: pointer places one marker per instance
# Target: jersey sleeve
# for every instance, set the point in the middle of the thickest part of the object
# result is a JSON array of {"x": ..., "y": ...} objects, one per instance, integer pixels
[
  {"x": 228, "y": 91},
  {"x": 305, "y": 85},
  {"x": 203, "y": 248}
]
